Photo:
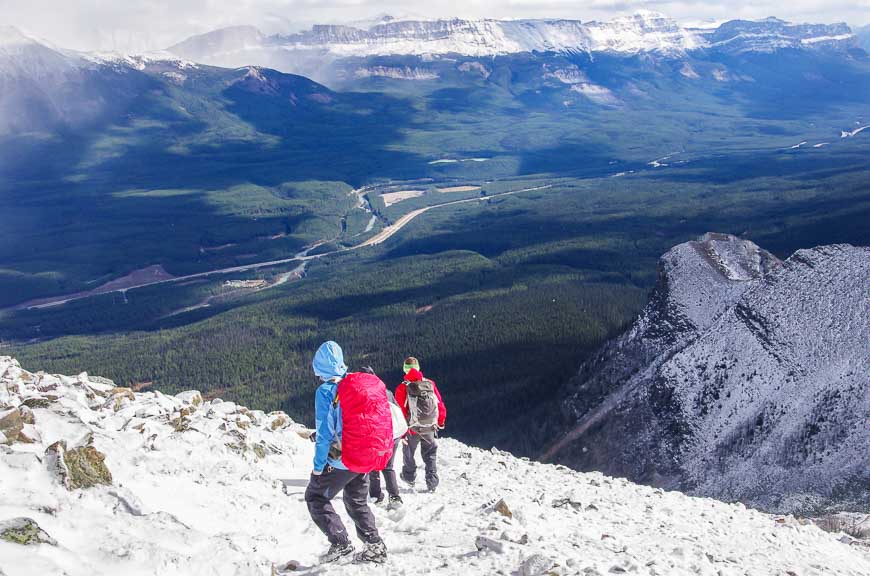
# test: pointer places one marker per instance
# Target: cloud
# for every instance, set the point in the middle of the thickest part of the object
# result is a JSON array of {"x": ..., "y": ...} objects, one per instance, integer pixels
[{"x": 140, "y": 25}]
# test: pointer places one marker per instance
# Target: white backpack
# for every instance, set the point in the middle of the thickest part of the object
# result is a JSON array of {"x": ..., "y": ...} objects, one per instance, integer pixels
[{"x": 400, "y": 427}]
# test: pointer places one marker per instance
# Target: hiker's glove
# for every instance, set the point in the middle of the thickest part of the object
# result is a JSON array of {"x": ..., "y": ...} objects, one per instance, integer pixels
[
  {"x": 313, "y": 436},
  {"x": 317, "y": 472}
]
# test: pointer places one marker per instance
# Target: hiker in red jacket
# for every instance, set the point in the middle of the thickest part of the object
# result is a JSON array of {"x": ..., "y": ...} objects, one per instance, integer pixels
[{"x": 421, "y": 402}]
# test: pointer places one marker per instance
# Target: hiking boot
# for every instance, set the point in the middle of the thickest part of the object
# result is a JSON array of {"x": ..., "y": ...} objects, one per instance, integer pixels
[
  {"x": 395, "y": 502},
  {"x": 407, "y": 479},
  {"x": 431, "y": 485},
  {"x": 379, "y": 499},
  {"x": 336, "y": 551},
  {"x": 374, "y": 552}
]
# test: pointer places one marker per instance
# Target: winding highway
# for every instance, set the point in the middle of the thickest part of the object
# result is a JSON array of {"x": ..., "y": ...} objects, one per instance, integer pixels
[{"x": 302, "y": 257}]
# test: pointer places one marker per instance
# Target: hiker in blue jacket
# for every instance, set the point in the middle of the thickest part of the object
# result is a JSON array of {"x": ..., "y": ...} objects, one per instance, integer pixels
[{"x": 330, "y": 476}]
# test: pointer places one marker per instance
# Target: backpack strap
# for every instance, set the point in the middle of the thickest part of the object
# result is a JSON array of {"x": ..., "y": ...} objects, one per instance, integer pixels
[
  {"x": 407, "y": 396},
  {"x": 335, "y": 400}
]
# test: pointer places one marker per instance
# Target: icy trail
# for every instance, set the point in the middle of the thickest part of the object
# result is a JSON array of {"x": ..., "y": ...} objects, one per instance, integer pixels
[{"x": 212, "y": 488}]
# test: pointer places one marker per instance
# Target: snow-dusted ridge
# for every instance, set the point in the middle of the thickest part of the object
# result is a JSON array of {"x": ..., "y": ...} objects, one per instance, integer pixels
[
  {"x": 641, "y": 32},
  {"x": 198, "y": 487},
  {"x": 745, "y": 378}
]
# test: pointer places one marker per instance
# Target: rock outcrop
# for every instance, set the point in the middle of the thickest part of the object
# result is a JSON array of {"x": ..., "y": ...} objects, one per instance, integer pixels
[
  {"x": 745, "y": 378},
  {"x": 25, "y": 532}
]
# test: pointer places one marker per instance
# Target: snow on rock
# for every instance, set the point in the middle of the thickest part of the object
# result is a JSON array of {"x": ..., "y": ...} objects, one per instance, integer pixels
[
  {"x": 224, "y": 495},
  {"x": 745, "y": 378},
  {"x": 641, "y": 32},
  {"x": 772, "y": 34},
  {"x": 25, "y": 532},
  {"x": 395, "y": 72},
  {"x": 644, "y": 32}
]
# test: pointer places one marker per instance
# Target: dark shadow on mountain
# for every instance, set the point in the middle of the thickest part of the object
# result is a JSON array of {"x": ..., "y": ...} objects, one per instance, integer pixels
[{"x": 71, "y": 190}]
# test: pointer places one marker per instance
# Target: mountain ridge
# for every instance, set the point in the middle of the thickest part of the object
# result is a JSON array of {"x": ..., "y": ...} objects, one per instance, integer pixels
[
  {"x": 739, "y": 386},
  {"x": 642, "y": 32}
]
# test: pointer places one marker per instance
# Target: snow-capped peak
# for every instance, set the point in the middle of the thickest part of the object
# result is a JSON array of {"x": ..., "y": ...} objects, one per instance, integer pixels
[
  {"x": 104, "y": 480},
  {"x": 736, "y": 379},
  {"x": 13, "y": 41},
  {"x": 645, "y": 31},
  {"x": 12, "y": 36}
]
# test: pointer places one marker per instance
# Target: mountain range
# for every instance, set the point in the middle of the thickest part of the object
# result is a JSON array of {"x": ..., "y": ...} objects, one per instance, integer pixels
[
  {"x": 863, "y": 37},
  {"x": 745, "y": 378},
  {"x": 314, "y": 51}
]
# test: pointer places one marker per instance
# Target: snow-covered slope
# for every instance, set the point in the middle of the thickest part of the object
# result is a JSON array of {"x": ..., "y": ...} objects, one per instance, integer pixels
[
  {"x": 642, "y": 32},
  {"x": 773, "y": 34},
  {"x": 863, "y": 37},
  {"x": 43, "y": 87},
  {"x": 183, "y": 486},
  {"x": 745, "y": 378}
]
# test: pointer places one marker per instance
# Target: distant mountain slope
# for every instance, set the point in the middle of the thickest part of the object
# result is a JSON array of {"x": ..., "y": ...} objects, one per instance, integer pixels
[
  {"x": 773, "y": 34},
  {"x": 863, "y": 36},
  {"x": 745, "y": 378},
  {"x": 101, "y": 155},
  {"x": 350, "y": 55},
  {"x": 47, "y": 88},
  {"x": 42, "y": 88},
  {"x": 642, "y": 32},
  {"x": 101, "y": 480}
]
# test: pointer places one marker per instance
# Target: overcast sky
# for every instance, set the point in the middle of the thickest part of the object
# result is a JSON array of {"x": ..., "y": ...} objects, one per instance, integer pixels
[{"x": 139, "y": 25}]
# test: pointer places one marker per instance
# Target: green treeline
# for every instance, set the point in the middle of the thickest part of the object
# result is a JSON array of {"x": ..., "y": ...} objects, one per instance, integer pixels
[{"x": 497, "y": 352}]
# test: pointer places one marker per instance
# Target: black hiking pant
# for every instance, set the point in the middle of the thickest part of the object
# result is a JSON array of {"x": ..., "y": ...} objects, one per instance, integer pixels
[
  {"x": 324, "y": 487},
  {"x": 389, "y": 477},
  {"x": 429, "y": 451}
]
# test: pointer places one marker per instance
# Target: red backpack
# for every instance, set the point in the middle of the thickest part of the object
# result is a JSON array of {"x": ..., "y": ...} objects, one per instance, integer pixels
[{"x": 366, "y": 423}]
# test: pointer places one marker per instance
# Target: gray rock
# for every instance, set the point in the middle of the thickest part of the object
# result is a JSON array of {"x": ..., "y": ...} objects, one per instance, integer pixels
[
  {"x": 485, "y": 543},
  {"x": 535, "y": 565}
]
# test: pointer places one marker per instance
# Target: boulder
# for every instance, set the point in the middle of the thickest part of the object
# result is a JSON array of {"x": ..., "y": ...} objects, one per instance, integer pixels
[
  {"x": 485, "y": 543},
  {"x": 10, "y": 425},
  {"x": 25, "y": 532},
  {"x": 82, "y": 467},
  {"x": 116, "y": 398},
  {"x": 535, "y": 565},
  {"x": 180, "y": 421},
  {"x": 502, "y": 508},
  {"x": 102, "y": 381},
  {"x": 39, "y": 401},
  {"x": 280, "y": 420},
  {"x": 27, "y": 416},
  {"x": 190, "y": 397},
  {"x": 29, "y": 435}
]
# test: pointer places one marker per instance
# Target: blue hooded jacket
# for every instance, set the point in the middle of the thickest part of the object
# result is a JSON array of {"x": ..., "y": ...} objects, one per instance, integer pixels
[{"x": 329, "y": 366}]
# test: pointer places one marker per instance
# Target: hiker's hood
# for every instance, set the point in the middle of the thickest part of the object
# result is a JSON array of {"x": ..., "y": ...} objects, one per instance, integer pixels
[
  {"x": 329, "y": 361},
  {"x": 413, "y": 375}
]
